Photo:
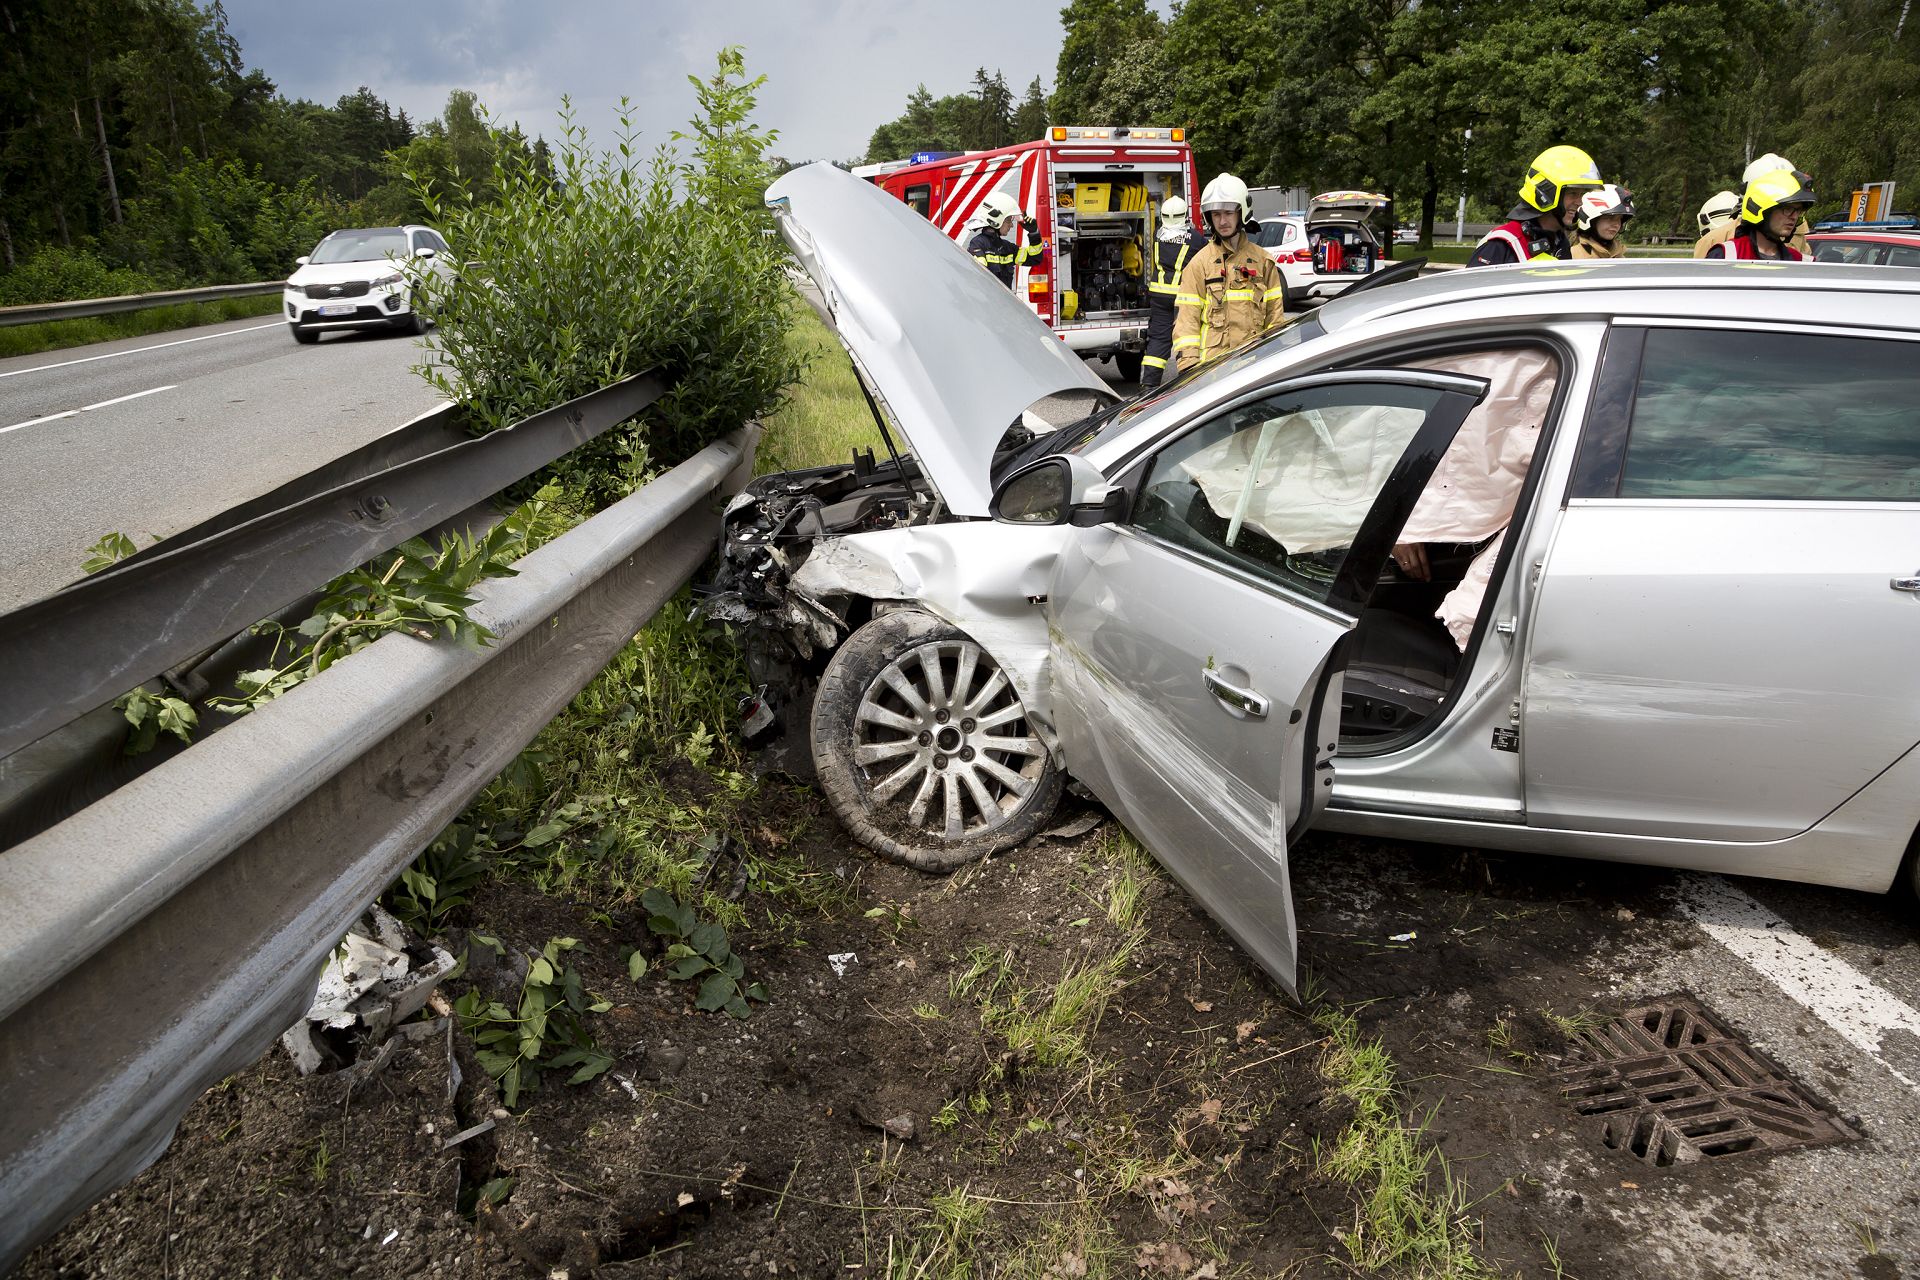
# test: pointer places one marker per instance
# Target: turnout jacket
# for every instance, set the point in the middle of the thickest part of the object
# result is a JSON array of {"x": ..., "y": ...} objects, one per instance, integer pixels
[
  {"x": 1586, "y": 246},
  {"x": 1727, "y": 230},
  {"x": 1001, "y": 255},
  {"x": 1739, "y": 248},
  {"x": 1519, "y": 240},
  {"x": 1229, "y": 295},
  {"x": 1170, "y": 254}
]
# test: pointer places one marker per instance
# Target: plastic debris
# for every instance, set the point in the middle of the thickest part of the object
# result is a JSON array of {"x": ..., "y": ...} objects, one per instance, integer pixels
[
  {"x": 1408, "y": 936},
  {"x": 841, "y": 962},
  {"x": 374, "y": 981}
]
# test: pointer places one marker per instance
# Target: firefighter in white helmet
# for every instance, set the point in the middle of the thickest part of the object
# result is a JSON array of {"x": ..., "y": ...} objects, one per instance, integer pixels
[
  {"x": 993, "y": 245},
  {"x": 1598, "y": 222},
  {"x": 1721, "y": 208},
  {"x": 1772, "y": 162},
  {"x": 1173, "y": 244},
  {"x": 1231, "y": 291}
]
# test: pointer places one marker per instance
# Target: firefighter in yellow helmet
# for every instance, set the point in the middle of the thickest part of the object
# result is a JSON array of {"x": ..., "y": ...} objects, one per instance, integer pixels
[
  {"x": 1538, "y": 228},
  {"x": 1231, "y": 291},
  {"x": 1721, "y": 208},
  {"x": 1770, "y": 214},
  {"x": 1601, "y": 218},
  {"x": 1766, "y": 164},
  {"x": 1173, "y": 244}
]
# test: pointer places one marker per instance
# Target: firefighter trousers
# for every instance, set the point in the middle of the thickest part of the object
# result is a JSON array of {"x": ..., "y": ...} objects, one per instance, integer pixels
[{"x": 1153, "y": 365}]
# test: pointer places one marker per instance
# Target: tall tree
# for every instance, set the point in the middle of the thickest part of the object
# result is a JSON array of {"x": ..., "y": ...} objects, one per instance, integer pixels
[
  {"x": 1097, "y": 35},
  {"x": 1030, "y": 117},
  {"x": 1225, "y": 62}
]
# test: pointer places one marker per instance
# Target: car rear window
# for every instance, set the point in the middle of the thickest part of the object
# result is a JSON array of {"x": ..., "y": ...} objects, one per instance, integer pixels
[{"x": 1722, "y": 413}]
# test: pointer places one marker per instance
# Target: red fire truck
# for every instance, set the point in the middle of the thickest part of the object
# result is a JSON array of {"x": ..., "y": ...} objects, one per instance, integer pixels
[{"x": 1096, "y": 193}]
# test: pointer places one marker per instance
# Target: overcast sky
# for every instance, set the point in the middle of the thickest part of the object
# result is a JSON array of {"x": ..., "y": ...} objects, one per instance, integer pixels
[{"x": 834, "y": 68}]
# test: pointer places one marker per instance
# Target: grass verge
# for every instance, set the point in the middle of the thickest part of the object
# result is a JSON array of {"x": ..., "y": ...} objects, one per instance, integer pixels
[
  {"x": 1412, "y": 1218},
  {"x": 56, "y": 335},
  {"x": 824, "y": 417}
]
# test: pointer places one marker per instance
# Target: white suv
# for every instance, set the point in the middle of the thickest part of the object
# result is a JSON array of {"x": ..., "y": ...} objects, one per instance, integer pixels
[
  {"x": 358, "y": 279},
  {"x": 1328, "y": 249}
]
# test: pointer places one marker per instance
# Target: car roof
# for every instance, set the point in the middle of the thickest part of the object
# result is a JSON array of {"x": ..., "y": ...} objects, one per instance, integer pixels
[
  {"x": 1681, "y": 287},
  {"x": 1886, "y": 236}
]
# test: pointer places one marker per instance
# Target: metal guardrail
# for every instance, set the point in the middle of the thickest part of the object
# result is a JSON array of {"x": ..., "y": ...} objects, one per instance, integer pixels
[
  {"x": 42, "y": 312},
  {"x": 161, "y": 938},
  {"x": 62, "y": 656}
]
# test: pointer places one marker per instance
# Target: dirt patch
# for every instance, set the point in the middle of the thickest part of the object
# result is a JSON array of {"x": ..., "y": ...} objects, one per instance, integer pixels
[{"x": 1051, "y": 1065}]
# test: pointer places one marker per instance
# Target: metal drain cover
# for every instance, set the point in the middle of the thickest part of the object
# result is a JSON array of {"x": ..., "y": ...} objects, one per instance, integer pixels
[{"x": 1675, "y": 1086}]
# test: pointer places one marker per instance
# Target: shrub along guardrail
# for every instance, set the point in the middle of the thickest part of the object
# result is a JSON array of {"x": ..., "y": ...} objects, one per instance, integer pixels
[
  {"x": 162, "y": 936},
  {"x": 42, "y": 312}
]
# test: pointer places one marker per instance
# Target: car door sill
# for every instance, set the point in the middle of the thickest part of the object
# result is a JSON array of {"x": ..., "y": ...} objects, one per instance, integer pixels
[{"x": 1409, "y": 804}]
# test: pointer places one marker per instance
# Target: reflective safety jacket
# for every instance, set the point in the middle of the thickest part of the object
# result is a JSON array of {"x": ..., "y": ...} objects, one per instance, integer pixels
[
  {"x": 1726, "y": 231},
  {"x": 1170, "y": 253},
  {"x": 1521, "y": 240},
  {"x": 1739, "y": 248},
  {"x": 1229, "y": 294},
  {"x": 1586, "y": 246},
  {"x": 1001, "y": 255}
]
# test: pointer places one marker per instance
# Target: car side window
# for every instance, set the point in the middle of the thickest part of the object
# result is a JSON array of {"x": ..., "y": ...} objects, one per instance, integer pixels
[
  {"x": 1721, "y": 413},
  {"x": 1279, "y": 487},
  {"x": 920, "y": 200},
  {"x": 1901, "y": 255},
  {"x": 434, "y": 241}
]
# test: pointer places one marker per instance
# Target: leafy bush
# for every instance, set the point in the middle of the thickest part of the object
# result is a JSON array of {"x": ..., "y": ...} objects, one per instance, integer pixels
[
  {"x": 616, "y": 264},
  {"x": 54, "y": 274}
]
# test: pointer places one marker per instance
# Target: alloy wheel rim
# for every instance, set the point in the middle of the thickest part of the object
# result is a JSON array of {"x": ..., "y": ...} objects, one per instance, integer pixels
[{"x": 943, "y": 744}]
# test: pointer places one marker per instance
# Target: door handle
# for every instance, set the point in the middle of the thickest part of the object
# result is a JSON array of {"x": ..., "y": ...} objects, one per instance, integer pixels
[
  {"x": 1233, "y": 695},
  {"x": 1905, "y": 584}
]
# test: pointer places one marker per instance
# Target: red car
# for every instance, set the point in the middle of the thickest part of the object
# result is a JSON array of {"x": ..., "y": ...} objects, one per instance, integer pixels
[{"x": 1867, "y": 248}]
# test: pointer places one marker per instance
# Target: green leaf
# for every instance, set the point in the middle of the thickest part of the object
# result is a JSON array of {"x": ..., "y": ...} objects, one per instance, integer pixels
[
  {"x": 737, "y": 1007},
  {"x": 755, "y": 991},
  {"x": 715, "y": 992},
  {"x": 636, "y": 966},
  {"x": 710, "y": 939},
  {"x": 593, "y": 1066},
  {"x": 600, "y": 1006},
  {"x": 540, "y": 971},
  {"x": 545, "y": 833},
  {"x": 657, "y": 902},
  {"x": 689, "y": 967}
]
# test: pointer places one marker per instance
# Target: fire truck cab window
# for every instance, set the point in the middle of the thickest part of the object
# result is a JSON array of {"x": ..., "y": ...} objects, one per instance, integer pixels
[{"x": 920, "y": 199}]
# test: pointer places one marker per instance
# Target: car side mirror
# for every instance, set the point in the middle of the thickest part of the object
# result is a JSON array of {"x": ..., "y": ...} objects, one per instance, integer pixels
[
  {"x": 302, "y": 260},
  {"x": 1062, "y": 489},
  {"x": 424, "y": 252}
]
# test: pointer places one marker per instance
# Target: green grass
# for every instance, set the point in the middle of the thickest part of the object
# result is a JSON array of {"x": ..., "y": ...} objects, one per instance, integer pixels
[
  {"x": 1412, "y": 1218},
  {"x": 825, "y": 417},
  {"x": 55, "y": 335}
]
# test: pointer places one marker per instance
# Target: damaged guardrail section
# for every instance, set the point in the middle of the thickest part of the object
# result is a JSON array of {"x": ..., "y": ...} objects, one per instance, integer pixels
[{"x": 161, "y": 938}]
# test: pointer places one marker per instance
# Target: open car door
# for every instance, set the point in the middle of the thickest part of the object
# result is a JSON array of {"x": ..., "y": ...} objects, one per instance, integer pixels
[{"x": 1197, "y": 644}]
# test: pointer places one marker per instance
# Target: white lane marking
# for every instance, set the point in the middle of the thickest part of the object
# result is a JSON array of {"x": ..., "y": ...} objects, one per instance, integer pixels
[
  {"x": 1835, "y": 992},
  {"x": 205, "y": 337},
  {"x": 34, "y": 422},
  {"x": 123, "y": 399},
  {"x": 87, "y": 408}
]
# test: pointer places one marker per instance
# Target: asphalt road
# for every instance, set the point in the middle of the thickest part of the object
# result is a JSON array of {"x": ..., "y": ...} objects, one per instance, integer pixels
[{"x": 148, "y": 436}]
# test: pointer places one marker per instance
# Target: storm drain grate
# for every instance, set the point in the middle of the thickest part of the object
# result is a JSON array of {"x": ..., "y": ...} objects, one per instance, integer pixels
[{"x": 1674, "y": 1086}]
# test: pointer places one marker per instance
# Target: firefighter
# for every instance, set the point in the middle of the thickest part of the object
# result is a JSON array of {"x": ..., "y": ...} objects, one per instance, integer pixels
[
  {"x": 1766, "y": 164},
  {"x": 1601, "y": 217},
  {"x": 1721, "y": 208},
  {"x": 1769, "y": 215},
  {"x": 1231, "y": 291},
  {"x": 993, "y": 246},
  {"x": 1536, "y": 230},
  {"x": 1172, "y": 245}
]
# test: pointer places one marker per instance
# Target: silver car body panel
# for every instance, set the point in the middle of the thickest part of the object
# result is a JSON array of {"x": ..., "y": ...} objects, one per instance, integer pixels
[
  {"x": 985, "y": 578},
  {"x": 948, "y": 351}
]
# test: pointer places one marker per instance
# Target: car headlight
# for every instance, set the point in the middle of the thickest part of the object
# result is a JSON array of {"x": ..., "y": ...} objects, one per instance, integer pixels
[{"x": 393, "y": 278}]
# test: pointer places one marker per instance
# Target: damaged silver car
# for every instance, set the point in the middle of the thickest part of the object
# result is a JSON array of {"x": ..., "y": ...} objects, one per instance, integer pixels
[{"x": 1559, "y": 559}]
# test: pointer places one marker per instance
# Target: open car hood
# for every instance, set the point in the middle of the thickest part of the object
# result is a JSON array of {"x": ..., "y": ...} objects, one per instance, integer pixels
[
  {"x": 948, "y": 351},
  {"x": 1344, "y": 206}
]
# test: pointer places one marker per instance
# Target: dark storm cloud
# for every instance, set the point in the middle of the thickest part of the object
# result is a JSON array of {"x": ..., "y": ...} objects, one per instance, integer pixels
[{"x": 835, "y": 68}]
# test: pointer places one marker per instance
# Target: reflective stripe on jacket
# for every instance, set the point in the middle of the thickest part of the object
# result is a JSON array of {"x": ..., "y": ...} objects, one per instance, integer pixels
[
  {"x": 1739, "y": 248},
  {"x": 1227, "y": 297},
  {"x": 1001, "y": 255},
  {"x": 1170, "y": 260},
  {"x": 1521, "y": 240}
]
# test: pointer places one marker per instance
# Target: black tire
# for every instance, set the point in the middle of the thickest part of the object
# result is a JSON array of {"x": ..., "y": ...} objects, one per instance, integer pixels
[
  {"x": 1128, "y": 362},
  {"x": 305, "y": 337},
  {"x": 993, "y": 797},
  {"x": 412, "y": 322}
]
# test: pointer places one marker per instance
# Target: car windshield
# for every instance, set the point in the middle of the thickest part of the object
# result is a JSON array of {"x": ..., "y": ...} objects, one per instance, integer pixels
[{"x": 375, "y": 245}]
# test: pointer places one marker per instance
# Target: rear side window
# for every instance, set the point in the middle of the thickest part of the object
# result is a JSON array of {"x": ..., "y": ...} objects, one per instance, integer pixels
[
  {"x": 1741, "y": 415},
  {"x": 1903, "y": 256},
  {"x": 920, "y": 199}
]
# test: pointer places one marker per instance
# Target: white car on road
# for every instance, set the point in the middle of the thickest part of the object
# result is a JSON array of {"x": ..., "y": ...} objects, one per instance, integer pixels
[{"x": 359, "y": 278}]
